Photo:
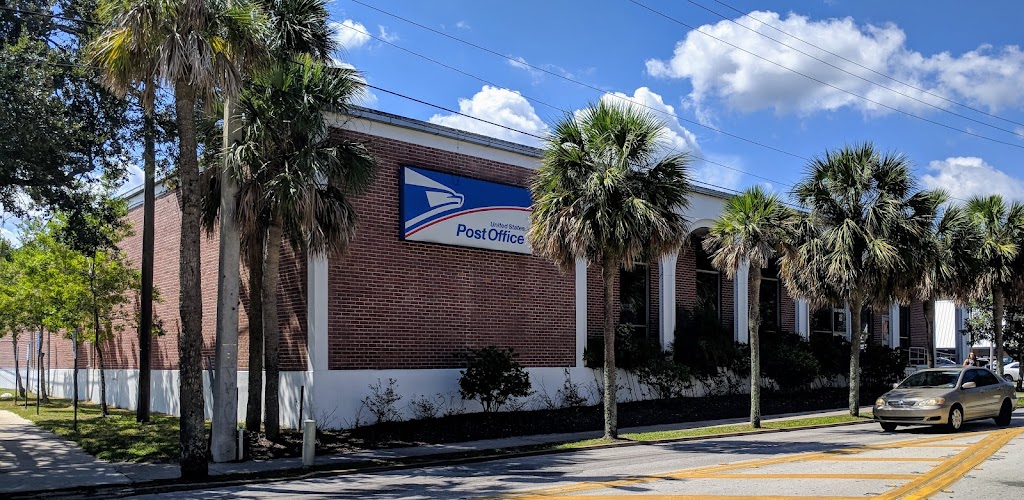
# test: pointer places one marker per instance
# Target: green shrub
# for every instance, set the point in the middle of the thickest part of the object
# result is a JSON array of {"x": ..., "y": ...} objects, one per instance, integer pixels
[
  {"x": 706, "y": 346},
  {"x": 787, "y": 359},
  {"x": 881, "y": 366},
  {"x": 493, "y": 376},
  {"x": 632, "y": 350},
  {"x": 832, "y": 353}
]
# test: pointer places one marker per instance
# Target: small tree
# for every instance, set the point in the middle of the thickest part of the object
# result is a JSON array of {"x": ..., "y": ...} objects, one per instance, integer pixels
[{"x": 493, "y": 376}]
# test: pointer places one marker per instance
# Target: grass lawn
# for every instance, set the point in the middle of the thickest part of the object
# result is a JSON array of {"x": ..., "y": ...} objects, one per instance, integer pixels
[
  {"x": 718, "y": 430},
  {"x": 117, "y": 438}
]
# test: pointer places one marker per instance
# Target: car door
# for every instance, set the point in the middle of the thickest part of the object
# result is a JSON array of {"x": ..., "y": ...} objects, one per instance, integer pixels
[
  {"x": 991, "y": 394},
  {"x": 972, "y": 399}
]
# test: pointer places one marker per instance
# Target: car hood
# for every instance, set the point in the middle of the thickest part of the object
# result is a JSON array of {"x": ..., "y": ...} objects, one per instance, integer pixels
[{"x": 915, "y": 393}]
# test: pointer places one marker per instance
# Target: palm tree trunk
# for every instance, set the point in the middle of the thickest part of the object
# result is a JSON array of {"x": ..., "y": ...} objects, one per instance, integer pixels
[
  {"x": 148, "y": 238},
  {"x": 271, "y": 327},
  {"x": 225, "y": 391},
  {"x": 998, "y": 305},
  {"x": 190, "y": 299},
  {"x": 254, "y": 409},
  {"x": 611, "y": 430},
  {"x": 855, "y": 309},
  {"x": 755, "y": 346},
  {"x": 928, "y": 307}
]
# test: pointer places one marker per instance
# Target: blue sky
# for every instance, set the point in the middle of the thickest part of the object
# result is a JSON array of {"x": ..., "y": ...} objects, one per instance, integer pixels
[{"x": 966, "y": 52}]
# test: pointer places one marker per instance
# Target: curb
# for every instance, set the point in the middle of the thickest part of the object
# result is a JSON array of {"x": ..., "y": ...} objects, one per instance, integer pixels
[{"x": 158, "y": 486}]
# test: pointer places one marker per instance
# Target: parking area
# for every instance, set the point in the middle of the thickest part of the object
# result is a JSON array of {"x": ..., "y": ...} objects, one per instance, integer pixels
[{"x": 918, "y": 467}]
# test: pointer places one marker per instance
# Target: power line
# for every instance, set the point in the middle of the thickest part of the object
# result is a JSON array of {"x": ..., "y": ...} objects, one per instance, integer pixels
[
  {"x": 692, "y": 28},
  {"x": 552, "y": 106},
  {"x": 855, "y": 63},
  {"x": 872, "y": 82},
  {"x": 583, "y": 84},
  {"x": 506, "y": 127}
]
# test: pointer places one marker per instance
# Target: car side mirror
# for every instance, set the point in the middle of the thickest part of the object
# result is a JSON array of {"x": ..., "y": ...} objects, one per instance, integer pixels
[{"x": 969, "y": 385}]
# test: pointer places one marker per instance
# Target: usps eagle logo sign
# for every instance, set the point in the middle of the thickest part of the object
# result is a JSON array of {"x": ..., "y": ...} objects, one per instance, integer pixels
[{"x": 455, "y": 210}]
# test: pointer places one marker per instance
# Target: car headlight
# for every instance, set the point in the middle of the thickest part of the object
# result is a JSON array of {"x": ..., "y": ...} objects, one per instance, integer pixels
[
  {"x": 880, "y": 402},
  {"x": 931, "y": 402}
]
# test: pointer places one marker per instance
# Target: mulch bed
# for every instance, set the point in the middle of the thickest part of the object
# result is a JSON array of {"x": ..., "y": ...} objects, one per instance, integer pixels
[{"x": 475, "y": 426}]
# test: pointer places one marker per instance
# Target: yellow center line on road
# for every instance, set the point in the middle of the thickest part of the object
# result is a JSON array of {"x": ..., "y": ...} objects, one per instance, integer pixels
[
  {"x": 720, "y": 470},
  {"x": 951, "y": 470},
  {"x": 804, "y": 476},
  {"x": 877, "y": 459},
  {"x": 696, "y": 497}
]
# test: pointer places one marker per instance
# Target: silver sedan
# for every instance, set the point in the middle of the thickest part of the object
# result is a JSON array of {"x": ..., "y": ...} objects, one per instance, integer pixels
[{"x": 946, "y": 396}]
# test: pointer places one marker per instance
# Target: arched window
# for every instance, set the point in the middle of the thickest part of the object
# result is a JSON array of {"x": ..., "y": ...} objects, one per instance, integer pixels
[
  {"x": 708, "y": 279},
  {"x": 634, "y": 298}
]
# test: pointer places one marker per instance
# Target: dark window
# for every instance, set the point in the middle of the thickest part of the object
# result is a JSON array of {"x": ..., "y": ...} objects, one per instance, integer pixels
[
  {"x": 708, "y": 281},
  {"x": 985, "y": 378},
  {"x": 771, "y": 299},
  {"x": 831, "y": 320},
  {"x": 634, "y": 298},
  {"x": 867, "y": 322},
  {"x": 970, "y": 376},
  {"x": 904, "y": 327}
]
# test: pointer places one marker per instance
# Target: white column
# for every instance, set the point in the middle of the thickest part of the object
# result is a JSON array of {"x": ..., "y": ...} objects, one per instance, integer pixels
[
  {"x": 894, "y": 325},
  {"x": 316, "y": 313},
  {"x": 581, "y": 310},
  {"x": 961, "y": 340},
  {"x": 667, "y": 297},
  {"x": 741, "y": 315},
  {"x": 803, "y": 319}
]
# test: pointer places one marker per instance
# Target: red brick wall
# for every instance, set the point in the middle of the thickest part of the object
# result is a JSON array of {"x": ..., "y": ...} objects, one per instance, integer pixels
[
  {"x": 122, "y": 351},
  {"x": 399, "y": 304}
]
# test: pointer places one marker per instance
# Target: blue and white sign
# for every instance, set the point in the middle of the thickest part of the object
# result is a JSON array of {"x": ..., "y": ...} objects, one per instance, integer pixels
[{"x": 455, "y": 210}]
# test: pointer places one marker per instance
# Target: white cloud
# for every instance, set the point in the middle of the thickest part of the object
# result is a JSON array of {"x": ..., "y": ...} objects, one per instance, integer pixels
[
  {"x": 7, "y": 232},
  {"x": 387, "y": 36},
  {"x": 984, "y": 77},
  {"x": 463, "y": 25},
  {"x": 718, "y": 175},
  {"x": 967, "y": 176},
  {"x": 499, "y": 105},
  {"x": 350, "y": 35},
  {"x": 519, "y": 62},
  {"x": 677, "y": 136},
  {"x": 135, "y": 178}
]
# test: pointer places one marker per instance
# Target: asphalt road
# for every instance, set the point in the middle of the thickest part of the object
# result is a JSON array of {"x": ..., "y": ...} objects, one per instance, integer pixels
[{"x": 857, "y": 461}]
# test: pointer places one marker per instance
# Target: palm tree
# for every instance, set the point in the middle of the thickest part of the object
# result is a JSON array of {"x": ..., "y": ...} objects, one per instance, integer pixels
[
  {"x": 300, "y": 181},
  {"x": 946, "y": 263},
  {"x": 752, "y": 230},
  {"x": 608, "y": 193},
  {"x": 192, "y": 46},
  {"x": 854, "y": 239},
  {"x": 1001, "y": 227}
]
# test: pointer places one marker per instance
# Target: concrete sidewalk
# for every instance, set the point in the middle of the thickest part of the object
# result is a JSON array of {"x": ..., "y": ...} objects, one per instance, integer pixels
[
  {"x": 32, "y": 459},
  {"x": 35, "y": 460}
]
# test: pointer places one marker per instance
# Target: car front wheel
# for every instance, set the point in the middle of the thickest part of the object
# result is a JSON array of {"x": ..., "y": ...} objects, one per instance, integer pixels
[
  {"x": 1005, "y": 414},
  {"x": 887, "y": 427},
  {"x": 956, "y": 419},
  {"x": 1008, "y": 377}
]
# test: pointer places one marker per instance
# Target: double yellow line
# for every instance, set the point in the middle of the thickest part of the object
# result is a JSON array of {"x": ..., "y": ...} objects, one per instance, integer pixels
[{"x": 947, "y": 472}]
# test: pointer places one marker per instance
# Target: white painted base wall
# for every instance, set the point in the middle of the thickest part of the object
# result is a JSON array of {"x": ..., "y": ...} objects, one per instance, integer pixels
[{"x": 334, "y": 397}]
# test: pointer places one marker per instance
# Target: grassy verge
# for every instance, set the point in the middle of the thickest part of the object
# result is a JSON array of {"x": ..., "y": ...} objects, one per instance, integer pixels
[
  {"x": 719, "y": 430},
  {"x": 116, "y": 438}
]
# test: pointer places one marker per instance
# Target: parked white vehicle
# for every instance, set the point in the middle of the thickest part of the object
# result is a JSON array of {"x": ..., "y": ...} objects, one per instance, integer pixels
[{"x": 1011, "y": 371}]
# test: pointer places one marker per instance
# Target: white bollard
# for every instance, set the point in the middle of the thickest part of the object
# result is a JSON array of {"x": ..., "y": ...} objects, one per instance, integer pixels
[{"x": 308, "y": 442}]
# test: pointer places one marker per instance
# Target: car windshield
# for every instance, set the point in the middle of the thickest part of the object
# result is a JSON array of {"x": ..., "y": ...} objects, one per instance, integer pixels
[{"x": 945, "y": 378}]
